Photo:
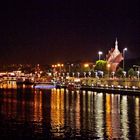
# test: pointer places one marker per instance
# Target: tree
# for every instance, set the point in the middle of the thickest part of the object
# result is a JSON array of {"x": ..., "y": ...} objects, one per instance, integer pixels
[
  {"x": 119, "y": 72},
  {"x": 131, "y": 72},
  {"x": 101, "y": 65}
]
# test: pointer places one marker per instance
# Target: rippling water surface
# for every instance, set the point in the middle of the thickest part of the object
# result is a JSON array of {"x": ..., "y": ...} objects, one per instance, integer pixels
[{"x": 63, "y": 114}]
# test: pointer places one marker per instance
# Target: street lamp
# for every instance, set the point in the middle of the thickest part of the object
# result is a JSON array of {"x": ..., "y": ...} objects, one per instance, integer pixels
[
  {"x": 138, "y": 73},
  {"x": 124, "y": 50},
  {"x": 124, "y": 74},
  {"x": 100, "y": 53},
  {"x": 73, "y": 74},
  {"x": 67, "y": 74},
  {"x": 96, "y": 74},
  {"x": 102, "y": 73},
  {"x": 113, "y": 73},
  {"x": 78, "y": 73},
  {"x": 85, "y": 74},
  {"x": 89, "y": 73},
  {"x": 60, "y": 65},
  {"x": 63, "y": 74}
]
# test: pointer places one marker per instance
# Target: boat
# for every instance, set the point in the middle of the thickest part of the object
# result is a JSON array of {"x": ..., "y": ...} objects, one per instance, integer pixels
[
  {"x": 61, "y": 85},
  {"x": 47, "y": 85},
  {"x": 73, "y": 86}
]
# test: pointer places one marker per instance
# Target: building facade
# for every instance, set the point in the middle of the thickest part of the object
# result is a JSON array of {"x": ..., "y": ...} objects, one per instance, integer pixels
[{"x": 114, "y": 57}]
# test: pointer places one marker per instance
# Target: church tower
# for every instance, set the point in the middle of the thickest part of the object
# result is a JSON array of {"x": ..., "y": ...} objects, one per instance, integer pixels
[
  {"x": 114, "y": 57},
  {"x": 116, "y": 44}
]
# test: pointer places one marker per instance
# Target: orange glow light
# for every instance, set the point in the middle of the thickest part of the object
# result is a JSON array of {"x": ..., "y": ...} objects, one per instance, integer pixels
[
  {"x": 86, "y": 65},
  {"x": 108, "y": 65}
]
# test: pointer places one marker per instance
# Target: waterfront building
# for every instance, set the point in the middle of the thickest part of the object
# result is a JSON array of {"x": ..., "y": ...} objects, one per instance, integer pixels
[{"x": 114, "y": 57}]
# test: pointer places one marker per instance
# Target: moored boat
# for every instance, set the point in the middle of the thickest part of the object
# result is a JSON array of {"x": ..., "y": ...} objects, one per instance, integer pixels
[
  {"x": 47, "y": 85},
  {"x": 73, "y": 86}
]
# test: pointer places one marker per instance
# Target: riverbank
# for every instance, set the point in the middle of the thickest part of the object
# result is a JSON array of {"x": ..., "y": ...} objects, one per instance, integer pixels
[
  {"x": 113, "y": 90},
  {"x": 121, "y": 86}
]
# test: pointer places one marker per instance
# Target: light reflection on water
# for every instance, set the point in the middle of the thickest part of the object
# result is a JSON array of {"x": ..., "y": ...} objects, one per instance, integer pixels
[{"x": 60, "y": 113}]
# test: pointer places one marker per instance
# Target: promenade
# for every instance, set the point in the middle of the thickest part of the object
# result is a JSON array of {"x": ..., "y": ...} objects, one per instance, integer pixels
[{"x": 108, "y": 85}]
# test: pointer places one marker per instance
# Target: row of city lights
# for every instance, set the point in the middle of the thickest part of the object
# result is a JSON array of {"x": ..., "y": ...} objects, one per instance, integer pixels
[
  {"x": 62, "y": 65},
  {"x": 57, "y": 65},
  {"x": 74, "y": 74}
]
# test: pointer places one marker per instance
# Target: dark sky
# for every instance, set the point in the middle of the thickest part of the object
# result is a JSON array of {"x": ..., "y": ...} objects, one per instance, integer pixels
[{"x": 51, "y": 31}]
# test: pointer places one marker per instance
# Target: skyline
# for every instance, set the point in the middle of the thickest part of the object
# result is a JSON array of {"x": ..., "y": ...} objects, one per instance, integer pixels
[{"x": 59, "y": 31}]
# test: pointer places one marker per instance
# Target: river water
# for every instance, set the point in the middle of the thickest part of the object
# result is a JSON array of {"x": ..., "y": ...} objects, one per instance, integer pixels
[{"x": 63, "y": 114}]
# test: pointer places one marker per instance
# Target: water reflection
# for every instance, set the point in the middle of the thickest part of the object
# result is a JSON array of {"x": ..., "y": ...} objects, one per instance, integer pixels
[
  {"x": 112, "y": 116},
  {"x": 137, "y": 116},
  {"x": 57, "y": 111},
  {"x": 8, "y": 85},
  {"x": 37, "y": 111},
  {"x": 98, "y": 111},
  {"x": 124, "y": 116},
  {"x": 60, "y": 113}
]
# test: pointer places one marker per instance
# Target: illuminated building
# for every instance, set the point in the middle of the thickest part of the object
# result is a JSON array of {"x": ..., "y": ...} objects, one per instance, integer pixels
[{"x": 114, "y": 57}]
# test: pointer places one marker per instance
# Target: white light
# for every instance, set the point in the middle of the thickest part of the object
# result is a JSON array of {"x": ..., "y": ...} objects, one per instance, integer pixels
[
  {"x": 126, "y": 86},
  {"x": 125, "y": 49},
  {"x": 119, "y": 86},
  {"x": 100, "y": 53}
]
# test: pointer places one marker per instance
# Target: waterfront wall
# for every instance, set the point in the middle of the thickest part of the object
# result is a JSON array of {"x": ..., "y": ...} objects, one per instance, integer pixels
[{"x": 109, "y": 82}]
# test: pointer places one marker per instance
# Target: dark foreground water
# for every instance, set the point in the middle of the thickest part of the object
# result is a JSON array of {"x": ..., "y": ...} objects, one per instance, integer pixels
[{"x": 63, "y": 114}]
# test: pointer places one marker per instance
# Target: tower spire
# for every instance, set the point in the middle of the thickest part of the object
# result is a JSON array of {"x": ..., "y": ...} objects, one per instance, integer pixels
[{"x": 116, "y": 44}]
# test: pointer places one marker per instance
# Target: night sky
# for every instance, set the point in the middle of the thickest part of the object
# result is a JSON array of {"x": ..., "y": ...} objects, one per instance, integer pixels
[{"x": 51, "y": 31}]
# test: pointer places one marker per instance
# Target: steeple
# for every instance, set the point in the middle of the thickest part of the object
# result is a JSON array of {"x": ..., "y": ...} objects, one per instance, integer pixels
[{"x": 116, "y": 44}]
